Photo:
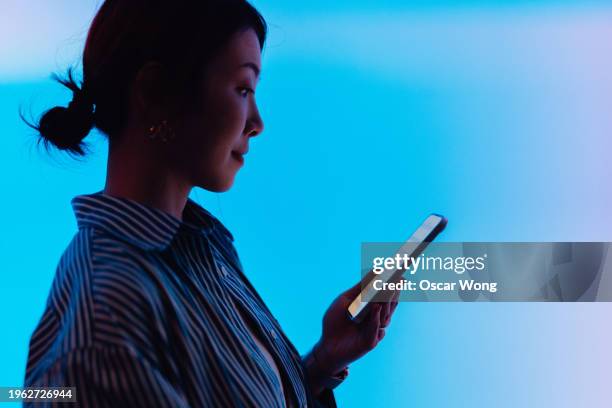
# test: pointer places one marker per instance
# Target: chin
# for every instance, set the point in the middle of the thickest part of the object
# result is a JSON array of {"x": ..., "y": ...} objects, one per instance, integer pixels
[
  {"x": 219, "y": 185},
  {"x": 221, "y": 189}
]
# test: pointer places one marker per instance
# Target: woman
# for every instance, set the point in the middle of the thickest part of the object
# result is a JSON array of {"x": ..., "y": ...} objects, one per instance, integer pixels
[{"x": 149, "y": 305}]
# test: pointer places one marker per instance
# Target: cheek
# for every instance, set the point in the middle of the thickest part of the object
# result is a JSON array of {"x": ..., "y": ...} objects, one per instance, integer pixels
[
  {"x": 216, "y": 126},
  {"x": 223, "y": 126},
  {"x": 209, "y": 136},
  {"x": 206, "y": 162},
  {"x": 228, "y": 117},
  {"x": 220, "y": 138}
]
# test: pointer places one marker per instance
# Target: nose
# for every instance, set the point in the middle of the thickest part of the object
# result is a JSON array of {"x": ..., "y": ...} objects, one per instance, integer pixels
[{"x": 256, "y": 125}]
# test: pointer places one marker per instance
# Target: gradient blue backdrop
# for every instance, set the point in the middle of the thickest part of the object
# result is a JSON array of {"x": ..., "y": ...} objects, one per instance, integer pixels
[{"x": 494, "y": 113}]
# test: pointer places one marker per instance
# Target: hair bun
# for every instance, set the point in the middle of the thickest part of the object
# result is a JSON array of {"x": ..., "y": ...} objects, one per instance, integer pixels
[{"x": 66, "y": 128}]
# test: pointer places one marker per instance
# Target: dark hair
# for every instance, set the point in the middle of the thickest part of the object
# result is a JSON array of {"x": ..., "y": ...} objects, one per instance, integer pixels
[{"x": 183, "y": 35}]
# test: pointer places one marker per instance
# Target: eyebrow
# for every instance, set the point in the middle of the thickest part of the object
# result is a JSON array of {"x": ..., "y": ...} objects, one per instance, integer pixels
[{"x": 251, "y": 65}]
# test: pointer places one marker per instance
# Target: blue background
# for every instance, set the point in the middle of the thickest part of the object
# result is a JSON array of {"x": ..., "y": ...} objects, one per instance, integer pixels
[{"x": 494, "y": 113}]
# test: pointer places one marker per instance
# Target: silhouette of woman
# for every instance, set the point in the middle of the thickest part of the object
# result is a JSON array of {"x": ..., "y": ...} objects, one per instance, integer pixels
[{"x": 149, "y": 305}]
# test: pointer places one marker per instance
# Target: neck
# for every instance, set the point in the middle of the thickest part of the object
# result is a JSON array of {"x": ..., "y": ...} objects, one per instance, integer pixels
[{"x": 137, "y": 174}]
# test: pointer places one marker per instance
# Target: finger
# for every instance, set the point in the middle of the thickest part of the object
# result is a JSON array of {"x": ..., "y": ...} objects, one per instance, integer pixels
[
  {"x": 394, "y": 301},
  {"x": 372, "y": 325},
  {"x": 385, "y": 314},
  {"x": 381, "y": 334},
  {"x": 393, "y": 307},
  {"x": 387, "y": 320},
  {"x": 354, "y": 290}
]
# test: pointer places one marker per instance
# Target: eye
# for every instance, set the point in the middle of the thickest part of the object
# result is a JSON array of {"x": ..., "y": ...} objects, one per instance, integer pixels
[{"x": 244, "y": 92}]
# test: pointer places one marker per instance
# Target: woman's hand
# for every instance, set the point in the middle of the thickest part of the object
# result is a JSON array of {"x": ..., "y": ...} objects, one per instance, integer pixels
[{"x": 344, "y": 341}]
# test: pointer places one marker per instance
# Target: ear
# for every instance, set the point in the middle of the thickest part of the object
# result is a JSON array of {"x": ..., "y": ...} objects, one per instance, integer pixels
[{"x": 150, "y": 92}]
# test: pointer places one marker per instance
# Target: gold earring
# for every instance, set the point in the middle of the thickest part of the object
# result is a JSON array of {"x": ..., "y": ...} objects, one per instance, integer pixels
[{"x": 161, "y": 131}]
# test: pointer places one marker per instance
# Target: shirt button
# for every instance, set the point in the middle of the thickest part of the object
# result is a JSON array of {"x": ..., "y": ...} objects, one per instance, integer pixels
[{"x": 273, "y": 334}]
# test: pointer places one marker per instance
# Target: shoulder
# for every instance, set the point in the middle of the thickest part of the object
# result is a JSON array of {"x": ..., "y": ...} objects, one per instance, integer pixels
[
  {"x": 102, "y": 296},
  {"x": 104, "y": 288},
  {"x": 93, "y": 258}
]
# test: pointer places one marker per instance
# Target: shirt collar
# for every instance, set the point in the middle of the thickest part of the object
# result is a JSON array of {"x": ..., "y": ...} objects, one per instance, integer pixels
[{"x": 146, "y": 227}]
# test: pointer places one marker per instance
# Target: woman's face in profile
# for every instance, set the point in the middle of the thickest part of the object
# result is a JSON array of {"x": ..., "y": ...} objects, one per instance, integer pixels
[{"x": 213, "y": 137}]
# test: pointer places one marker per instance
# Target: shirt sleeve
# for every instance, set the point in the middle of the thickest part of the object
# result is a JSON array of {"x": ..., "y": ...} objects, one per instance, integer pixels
[
  {"x": 110, "y": 377},
  {"x": 326, "y": 399},
  {"x": 105, "y": 334}
]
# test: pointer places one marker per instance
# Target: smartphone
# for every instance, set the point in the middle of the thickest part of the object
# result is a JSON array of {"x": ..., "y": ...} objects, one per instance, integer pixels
[{"x": 433, "y": 225}]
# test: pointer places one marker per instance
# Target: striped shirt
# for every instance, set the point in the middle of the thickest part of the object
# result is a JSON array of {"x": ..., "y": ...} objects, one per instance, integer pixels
[{"x": 149, "y": 310}]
